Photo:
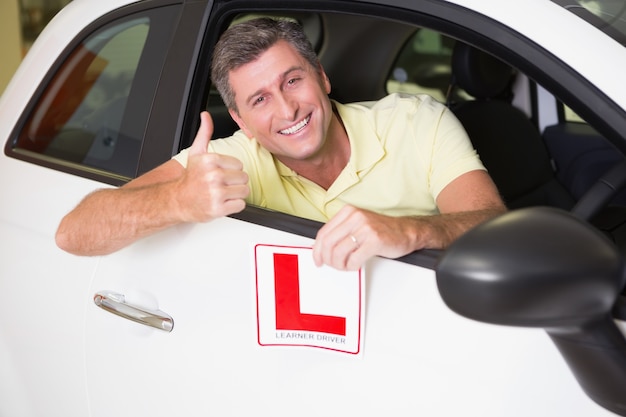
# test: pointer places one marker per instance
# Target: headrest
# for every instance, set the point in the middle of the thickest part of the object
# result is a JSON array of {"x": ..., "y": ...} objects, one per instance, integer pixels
[{"x": 478, "y": 73}]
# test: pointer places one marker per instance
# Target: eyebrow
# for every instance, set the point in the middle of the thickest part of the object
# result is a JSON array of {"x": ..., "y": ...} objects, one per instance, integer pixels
[{"x": 283, "y": 76}]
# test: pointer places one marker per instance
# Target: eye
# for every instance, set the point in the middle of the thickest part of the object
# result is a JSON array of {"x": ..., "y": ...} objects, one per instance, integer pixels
[
  {"x": 293, "y": 81},
  {"x": 258, "y": 100}
]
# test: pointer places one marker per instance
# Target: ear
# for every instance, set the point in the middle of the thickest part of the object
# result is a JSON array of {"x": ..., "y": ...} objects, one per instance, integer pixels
[
  {"x": 240, "y": 122},
  {"x": 325, "y": 79}
]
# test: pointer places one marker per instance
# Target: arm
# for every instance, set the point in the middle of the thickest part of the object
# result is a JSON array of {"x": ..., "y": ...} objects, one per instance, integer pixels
[
  {"x": 467, "y": 201},
  {"x": 106, "y": 220}
]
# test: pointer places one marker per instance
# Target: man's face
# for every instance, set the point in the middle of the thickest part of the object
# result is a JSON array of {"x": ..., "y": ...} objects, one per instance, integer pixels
[{"x": 283, "y": 102}]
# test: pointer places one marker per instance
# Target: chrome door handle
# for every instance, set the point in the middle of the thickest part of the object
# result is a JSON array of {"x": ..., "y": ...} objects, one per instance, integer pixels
[{"x": 116, "y": 303}]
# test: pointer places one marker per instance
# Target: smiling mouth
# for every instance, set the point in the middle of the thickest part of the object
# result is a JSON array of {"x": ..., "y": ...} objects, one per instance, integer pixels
[{"x": 296, "y": 128}]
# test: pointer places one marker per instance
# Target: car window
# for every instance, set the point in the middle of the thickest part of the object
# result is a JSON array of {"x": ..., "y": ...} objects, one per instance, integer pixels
[
  {"x": 570, "y": 115},
  {"x": 607, "y": 15},
  {"x": 80, "y": 117},
  {"x": 423, "y": 65}
]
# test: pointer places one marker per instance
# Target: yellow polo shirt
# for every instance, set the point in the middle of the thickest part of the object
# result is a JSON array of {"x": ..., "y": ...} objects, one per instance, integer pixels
[{"x": 404, "y": 150}]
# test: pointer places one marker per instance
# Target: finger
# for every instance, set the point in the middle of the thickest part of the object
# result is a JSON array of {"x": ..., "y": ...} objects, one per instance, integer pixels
[
  {"x": 342, "y": 252},
  {"x": 331, "y": 234},
  {"x": 236, "y": 177},
  {"x": 232, "y": 206},
  {"x": 346, "y": 254},
  {"x": 340, "y": 221},
  {"x": 333, "y": 247},
  {"x": 356, "y": 259},
  {"x": 225, "y": 162},
  {"x": 203, "y": 137},
  {"x": 230, "y": 199}
]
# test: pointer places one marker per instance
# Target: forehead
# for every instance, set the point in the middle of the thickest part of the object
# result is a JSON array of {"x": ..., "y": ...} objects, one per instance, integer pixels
[{"x": 268, "y": 67}]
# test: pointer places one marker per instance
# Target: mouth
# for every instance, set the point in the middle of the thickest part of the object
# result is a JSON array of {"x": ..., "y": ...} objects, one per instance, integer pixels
[{"x": 297, "y": 127}]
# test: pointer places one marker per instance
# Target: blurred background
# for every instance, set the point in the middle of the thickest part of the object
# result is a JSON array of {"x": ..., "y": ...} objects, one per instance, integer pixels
[{"x": 21, "y": 21}]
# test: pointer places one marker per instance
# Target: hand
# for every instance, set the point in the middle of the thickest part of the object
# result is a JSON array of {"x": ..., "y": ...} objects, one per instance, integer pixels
[
  {"x": 213, "y": 185},
  {"x": 354, "y": 235}
]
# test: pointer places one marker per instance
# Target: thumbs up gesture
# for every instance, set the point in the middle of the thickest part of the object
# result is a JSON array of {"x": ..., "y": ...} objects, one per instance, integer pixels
[
  {"x": 213, "y": 185},
  {"x": 203, "y": 137}
]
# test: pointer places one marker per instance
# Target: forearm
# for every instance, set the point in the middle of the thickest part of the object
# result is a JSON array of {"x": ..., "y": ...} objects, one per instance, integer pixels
[
  {"x": 439, "y": 231},
  {"x": 354, "y": 235},
  {"x": 210, "y": 186},
  {"x": 110, "y": 219}
]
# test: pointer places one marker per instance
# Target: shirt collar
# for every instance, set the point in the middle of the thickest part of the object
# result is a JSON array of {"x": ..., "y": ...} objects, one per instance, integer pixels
[{"x": 365, "y": 145}]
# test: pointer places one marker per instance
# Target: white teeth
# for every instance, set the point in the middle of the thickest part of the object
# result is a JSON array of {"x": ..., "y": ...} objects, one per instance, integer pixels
[{"x": 297, "y": 127}]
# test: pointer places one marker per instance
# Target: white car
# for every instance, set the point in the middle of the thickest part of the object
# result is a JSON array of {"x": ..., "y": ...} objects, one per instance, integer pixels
[{"x": 523, "y": 316}]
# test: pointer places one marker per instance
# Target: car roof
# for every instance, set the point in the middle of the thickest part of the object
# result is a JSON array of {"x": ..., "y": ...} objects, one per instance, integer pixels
[
  {"x": 576, "y": 43},
  {"x": 542, "y": 21}
]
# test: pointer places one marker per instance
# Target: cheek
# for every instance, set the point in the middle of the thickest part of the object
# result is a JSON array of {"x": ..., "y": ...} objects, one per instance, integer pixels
[{"x": 249, "y": 125}]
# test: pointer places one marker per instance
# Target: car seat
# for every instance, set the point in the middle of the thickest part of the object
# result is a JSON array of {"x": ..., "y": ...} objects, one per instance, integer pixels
[{"x": 509, "y": 144}]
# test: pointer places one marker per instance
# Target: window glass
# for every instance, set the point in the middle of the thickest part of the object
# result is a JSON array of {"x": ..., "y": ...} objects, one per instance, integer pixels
[
  {"x": 571, "y": 116},
  {"x": 78, "y": 117},
  {"x": 423, "y": 65},
  {"x": 607, "y": 15}
]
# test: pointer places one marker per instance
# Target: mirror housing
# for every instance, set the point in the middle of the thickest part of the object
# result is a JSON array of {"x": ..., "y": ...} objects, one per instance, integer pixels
[{"x": 543, "y": 267}]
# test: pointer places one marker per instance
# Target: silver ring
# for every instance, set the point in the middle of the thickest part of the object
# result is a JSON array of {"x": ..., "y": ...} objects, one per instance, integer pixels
[{"x": 356, "y": 242}]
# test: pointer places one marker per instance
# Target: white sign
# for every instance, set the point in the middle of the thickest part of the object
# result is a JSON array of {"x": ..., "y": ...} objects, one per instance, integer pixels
[{"x": 300, "y": 304}]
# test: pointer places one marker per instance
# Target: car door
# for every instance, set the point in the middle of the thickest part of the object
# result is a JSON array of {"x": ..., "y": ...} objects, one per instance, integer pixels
[
  {"x": 206, "y": 355},
  {"x": 416, "y": 355}
]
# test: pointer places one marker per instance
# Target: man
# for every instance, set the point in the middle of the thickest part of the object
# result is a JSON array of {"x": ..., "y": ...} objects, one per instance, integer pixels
[{"x": 389, "y": 178}]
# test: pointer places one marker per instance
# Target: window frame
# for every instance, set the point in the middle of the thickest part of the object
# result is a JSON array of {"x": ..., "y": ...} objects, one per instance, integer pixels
[{"x": 449, "y": 19}]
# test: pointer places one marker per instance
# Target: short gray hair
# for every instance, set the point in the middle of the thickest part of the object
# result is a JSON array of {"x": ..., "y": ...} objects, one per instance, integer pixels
[{"x": 245, "y": 42}]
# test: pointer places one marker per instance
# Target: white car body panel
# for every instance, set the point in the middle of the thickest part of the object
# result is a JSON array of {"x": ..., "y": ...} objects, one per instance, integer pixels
[
  {"x": 41, "y": 277},
  {"x": 413, "y": 343},
  {"x": 201, "y": 273}
]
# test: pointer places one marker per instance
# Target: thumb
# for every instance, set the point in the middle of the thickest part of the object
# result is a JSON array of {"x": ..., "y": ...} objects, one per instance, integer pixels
[{"x": 203, "y": 137}]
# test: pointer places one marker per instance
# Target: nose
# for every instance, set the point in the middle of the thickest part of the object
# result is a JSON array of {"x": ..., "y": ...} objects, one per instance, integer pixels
[{"x": 287, "y": 107}]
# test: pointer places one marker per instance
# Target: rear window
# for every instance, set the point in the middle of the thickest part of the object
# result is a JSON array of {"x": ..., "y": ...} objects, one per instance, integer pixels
[
  {"x": 85, "y": 115},
  {"x": 423, "y": 65}
]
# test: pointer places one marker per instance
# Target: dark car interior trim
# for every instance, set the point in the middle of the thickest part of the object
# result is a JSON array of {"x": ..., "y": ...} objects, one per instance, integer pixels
[{"x": 308, "y": 228}]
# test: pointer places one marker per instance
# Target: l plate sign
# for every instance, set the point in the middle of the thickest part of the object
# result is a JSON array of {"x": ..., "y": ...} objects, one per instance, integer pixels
[{"x": 300, "y": 304}]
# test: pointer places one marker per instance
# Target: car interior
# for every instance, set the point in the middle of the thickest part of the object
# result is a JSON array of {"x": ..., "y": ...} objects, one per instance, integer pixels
[
  {"x": 505, "y": 138},
  {"x": 554, "y": 168}
]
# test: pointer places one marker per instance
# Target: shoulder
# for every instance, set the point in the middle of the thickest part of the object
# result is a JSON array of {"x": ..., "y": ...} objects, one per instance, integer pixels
[
  {"x": 400, "y": 101},
  {"x": 417, "y": 105},
  {"x": 406, "y": 109},
  {"x": 397, "y": 107}
]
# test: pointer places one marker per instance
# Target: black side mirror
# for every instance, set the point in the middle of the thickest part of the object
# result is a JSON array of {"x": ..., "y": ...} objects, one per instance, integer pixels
[{"x": 542, "y": 267}]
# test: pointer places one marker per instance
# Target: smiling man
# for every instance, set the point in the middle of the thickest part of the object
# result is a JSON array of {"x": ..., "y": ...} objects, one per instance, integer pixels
[{"x": 388, "y": 178}]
